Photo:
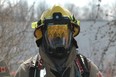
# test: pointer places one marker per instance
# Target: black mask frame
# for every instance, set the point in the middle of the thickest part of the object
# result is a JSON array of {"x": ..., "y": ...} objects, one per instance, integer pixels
[{"x": 57, "y": 18}]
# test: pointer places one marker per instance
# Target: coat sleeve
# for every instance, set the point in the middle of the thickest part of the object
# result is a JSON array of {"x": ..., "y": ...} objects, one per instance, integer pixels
[
  {"x": 94, "y": 71},
  {"x": 22, "y": 71}
]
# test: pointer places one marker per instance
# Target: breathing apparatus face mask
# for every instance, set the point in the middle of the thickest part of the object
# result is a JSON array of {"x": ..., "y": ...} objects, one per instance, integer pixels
[{"x": 57, "y": 34}]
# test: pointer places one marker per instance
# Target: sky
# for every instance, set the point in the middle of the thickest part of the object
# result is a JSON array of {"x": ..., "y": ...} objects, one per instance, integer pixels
[{"x": 79, "y": 3}]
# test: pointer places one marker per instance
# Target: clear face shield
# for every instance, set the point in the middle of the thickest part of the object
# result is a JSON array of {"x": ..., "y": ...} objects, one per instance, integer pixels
[{"x": 58, "y": 36}]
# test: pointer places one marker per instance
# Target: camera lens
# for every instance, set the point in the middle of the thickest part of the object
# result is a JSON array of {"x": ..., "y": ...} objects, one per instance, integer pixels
[{"x": 57, "y": 17}]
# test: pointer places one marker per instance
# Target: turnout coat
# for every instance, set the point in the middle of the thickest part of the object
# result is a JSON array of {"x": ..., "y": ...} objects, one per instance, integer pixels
[{"x": 41, "y": 66}]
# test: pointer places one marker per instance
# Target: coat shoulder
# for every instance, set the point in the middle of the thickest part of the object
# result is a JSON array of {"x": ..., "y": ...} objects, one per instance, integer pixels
[{"x": 23, "y": 69}]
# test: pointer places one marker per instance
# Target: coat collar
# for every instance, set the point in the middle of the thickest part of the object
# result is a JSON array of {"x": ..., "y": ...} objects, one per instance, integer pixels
[{"x": 47, "y": 60}]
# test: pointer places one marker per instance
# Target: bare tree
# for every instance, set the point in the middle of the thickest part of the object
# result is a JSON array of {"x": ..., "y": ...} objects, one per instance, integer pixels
[
  {"x": 15, "y": 20},
  {"x": 16, "y": 36},
  {"x": 93, "y": 11},
  {"x": 103, "y": 43},
  {"x": 74, "y": 10},
  {"x": 40, "y": 8}
]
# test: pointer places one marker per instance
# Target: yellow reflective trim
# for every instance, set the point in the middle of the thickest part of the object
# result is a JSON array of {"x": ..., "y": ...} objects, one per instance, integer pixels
[
  {"x": 34, "y": 25},
  {"x": 78, "y": 22}
]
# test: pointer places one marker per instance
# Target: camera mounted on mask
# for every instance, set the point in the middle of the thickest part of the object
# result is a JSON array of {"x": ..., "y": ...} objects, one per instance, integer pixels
[{"x": 57, "y": 19}]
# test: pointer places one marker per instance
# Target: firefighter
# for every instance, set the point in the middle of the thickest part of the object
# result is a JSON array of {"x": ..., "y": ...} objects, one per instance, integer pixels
[{"x": 58, "y": 57}]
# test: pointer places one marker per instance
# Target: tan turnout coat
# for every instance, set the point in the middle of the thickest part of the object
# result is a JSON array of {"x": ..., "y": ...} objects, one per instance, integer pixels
[{"x": 23, "y": 70}]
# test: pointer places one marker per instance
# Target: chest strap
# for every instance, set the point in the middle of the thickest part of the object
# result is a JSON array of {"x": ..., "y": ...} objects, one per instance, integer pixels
[{"x": 82, "y": 64}]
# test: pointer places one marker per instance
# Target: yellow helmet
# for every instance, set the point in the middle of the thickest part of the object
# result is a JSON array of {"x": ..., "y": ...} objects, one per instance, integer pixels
[{"x": 48, "y": 14}]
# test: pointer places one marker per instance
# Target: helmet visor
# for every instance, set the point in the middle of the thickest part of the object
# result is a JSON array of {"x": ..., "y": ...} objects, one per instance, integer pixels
[{"x": 58, "y": 36}]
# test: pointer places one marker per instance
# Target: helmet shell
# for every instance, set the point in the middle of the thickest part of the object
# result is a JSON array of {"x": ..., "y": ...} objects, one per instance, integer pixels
[{"x": 49, "y": 13}]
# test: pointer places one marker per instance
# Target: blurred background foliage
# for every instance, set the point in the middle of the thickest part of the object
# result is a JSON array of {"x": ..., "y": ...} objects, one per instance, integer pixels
[{"x": 17, "y": 42}]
